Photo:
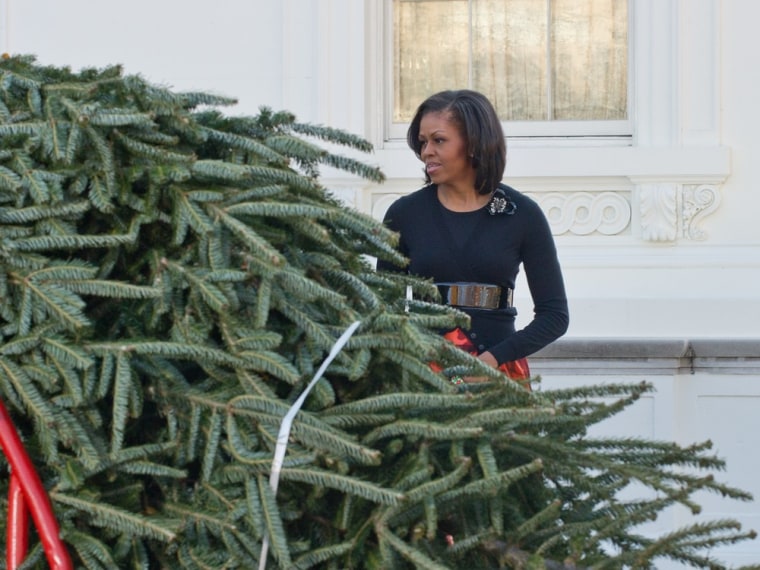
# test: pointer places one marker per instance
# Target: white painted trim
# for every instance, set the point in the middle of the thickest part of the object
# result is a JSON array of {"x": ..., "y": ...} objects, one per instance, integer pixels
[
  {"x": 697, "y": 164},
  {"x": 392, "y": 132},
  {"x": 699, "y": 75},
  {"x": 675, "y": 62}
]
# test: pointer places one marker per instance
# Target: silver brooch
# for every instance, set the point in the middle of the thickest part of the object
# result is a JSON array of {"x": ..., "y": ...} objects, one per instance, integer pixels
[{"x": 501, "y": 204}]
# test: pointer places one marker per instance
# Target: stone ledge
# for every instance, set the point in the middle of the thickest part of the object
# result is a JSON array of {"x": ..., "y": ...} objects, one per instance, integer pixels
[{"x": 651, "y": 356}]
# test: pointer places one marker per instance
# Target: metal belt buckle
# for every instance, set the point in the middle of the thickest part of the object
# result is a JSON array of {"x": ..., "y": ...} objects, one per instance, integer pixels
[{"x": 476, "y": 295}]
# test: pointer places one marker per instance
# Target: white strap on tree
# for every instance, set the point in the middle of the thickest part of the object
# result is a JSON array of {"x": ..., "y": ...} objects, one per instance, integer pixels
[{"x": 287, "y": 422}]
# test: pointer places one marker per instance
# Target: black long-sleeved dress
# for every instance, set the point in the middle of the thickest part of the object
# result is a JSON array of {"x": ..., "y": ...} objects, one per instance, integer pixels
[{"x": 481, "y": 247}]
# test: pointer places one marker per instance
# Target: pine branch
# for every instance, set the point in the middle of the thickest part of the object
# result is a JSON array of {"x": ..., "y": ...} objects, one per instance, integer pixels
[
  {"x": 414, "y": 555},
  {"x": 244, "y": 143},
  {"x": 115, "y": 519},
  {"x": 332, "y": 135},
  {"x": 71, "y": 242},
  {"x": 41, "y": 212},
  {"x": 398, "y": 402},
  {"x": 425, "y": 429},
  {"x": 344, "y": 484},
  {"x": 94, "y": 553},
  {"x": 354, "y": 166},
  {"x": 70, "y": 354},
  {"x": 273, "y": 524},
  {"x": 321, "y": 555},
  {"x": 26, "y": 391}
]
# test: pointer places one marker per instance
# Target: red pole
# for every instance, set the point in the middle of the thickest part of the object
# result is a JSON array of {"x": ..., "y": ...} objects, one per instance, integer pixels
[
  {"x": 18, "y": 525},
  {"x": 34, "y": 496}
]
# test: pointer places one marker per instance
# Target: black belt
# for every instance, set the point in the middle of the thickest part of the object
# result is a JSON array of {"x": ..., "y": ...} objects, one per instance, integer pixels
[{"x": 475, "y": 295}]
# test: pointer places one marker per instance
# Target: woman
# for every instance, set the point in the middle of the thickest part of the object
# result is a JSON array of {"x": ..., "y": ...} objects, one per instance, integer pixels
[{"x": 470, "y": 233}]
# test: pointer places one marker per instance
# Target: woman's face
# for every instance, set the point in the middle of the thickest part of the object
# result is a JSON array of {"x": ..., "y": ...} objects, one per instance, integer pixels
[{"x": 444, "y": 151}]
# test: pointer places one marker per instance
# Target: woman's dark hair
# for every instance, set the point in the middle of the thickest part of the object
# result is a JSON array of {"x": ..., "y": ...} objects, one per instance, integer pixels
[{"x": 480, "y": 127}]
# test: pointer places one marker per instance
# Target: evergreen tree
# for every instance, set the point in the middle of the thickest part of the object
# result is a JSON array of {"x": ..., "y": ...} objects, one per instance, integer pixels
[{"x": 172, "y": 277}]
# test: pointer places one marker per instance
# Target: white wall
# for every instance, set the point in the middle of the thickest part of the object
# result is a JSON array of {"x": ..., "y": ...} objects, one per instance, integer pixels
[{"x": 230, "y": 47}]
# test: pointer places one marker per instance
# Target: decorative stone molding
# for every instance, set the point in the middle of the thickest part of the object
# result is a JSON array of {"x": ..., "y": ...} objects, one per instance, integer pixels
[
  {"x": 667, "y": 211},
  {"x": 584, "y": 213},
  {"x": 698, "y": 202},
  {"x": 658, "y": 205},
  {"x": 670, "y": 210}
]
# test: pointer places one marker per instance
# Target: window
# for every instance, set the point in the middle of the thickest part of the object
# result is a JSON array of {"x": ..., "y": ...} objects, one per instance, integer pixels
[{"x": 551, "y": 67}]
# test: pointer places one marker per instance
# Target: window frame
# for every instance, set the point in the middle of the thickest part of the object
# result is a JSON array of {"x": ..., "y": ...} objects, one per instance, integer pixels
[{"x": 613, "y": 132}]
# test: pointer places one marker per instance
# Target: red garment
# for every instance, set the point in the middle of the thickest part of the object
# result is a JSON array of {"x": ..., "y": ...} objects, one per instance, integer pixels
[{"x": 514, "y": 369}]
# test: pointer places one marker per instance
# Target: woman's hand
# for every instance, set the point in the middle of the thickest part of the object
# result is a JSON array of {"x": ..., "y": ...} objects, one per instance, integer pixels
[{"x": 486, "y": 358}]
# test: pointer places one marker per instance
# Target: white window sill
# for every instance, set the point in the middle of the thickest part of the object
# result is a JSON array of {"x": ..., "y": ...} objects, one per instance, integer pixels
[{"x": 681, "y": 164}]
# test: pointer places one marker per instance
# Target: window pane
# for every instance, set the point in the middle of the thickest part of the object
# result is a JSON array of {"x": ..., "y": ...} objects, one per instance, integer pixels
[
  {"x": 430, "y": 48},
  {"x": 509, "y": 56},
  {"x": 537, "y": 60},
  {"x": 590, "y": 59}
]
